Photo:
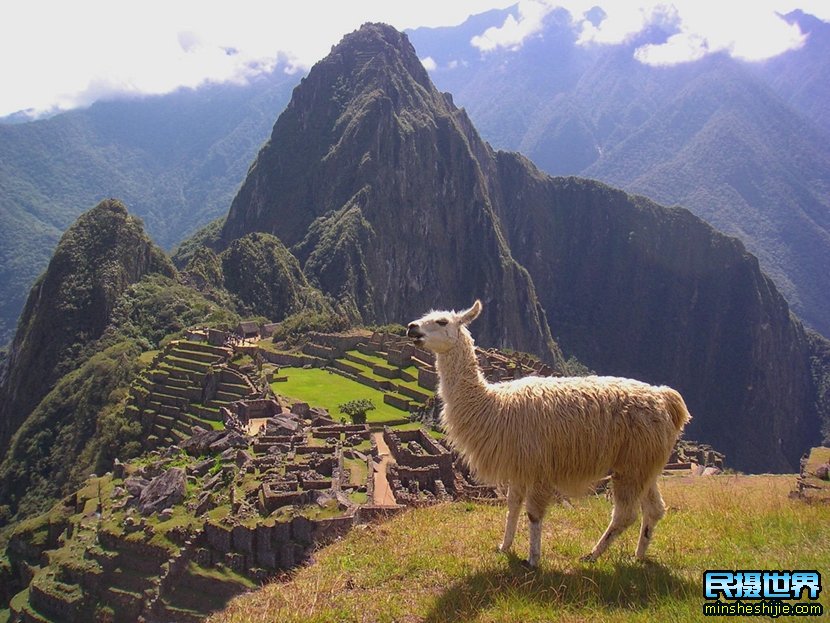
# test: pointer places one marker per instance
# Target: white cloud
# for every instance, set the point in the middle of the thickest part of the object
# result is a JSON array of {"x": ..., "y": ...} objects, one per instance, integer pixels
[
  {"x": 746, "y": 30},
  {"x": 429, "y": 63},
  {"x": 59, "y": 54},
  {"x": 515, "y": 30}
]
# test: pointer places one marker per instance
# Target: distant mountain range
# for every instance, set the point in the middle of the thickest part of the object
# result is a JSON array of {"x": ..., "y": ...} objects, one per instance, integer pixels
[
  {"x": 743, "y": 145},
  {"x": 177, "y": 161}
]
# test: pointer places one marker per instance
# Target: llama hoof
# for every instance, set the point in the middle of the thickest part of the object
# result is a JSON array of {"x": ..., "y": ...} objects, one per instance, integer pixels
[
  {"x": 529, "y": 565},
  {"x": 504, "y": 549},
  {"x": 588, "y": 558}
]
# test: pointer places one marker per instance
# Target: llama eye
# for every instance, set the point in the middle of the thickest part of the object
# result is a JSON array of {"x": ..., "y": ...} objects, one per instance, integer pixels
[{"x": 443, "y": 322}]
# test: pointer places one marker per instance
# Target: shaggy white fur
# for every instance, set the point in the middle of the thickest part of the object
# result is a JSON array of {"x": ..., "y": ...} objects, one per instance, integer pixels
[{"x": 550, "y": 436}]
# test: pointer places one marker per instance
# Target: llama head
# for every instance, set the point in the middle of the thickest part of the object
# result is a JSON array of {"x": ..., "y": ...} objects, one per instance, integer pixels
[{"x": 439, "y": 331}]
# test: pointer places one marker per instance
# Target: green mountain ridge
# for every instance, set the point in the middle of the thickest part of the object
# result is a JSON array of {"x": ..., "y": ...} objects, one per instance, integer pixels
[{"x": 176, "y": 160}]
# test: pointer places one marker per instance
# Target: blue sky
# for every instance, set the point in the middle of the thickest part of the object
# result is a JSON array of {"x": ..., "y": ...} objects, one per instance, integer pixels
[{"x": 58, "y": 55}]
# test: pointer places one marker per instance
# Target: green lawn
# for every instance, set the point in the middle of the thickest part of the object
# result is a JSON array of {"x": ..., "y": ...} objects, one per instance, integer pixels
[{"x": 321, "y": 388}]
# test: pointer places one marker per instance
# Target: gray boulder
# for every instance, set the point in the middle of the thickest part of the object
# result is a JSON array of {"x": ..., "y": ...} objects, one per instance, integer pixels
[
  {"x": 165, "y": 490},
  {"x": 200, "y": 443},
  {"x": 229, "y": 440}
]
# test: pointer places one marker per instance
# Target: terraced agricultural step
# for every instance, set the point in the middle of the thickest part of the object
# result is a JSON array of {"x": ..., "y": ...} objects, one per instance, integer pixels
[
  {"x": 206, "y": 413},
  {"x": 345, "y": 367},
  {"x": 182, "y": 373},
  {"x": 412, "y": 393},
  {"x": 132, "y": 412},
  {"x": 178, "y": 383},
  {"x": 167, "y": 410},
  {"x": 234, "y": 388},
  {"x": 165, "y": 420},
  {"x": 194, "y": 355},
  {"x": 406, "y": 376},
  {"x": 205, "y": 423},
  {"x": 397, "y": 401},
  {"x": 386, "y": 372},
  {"x": 216, "y": 404},
  {"x": 179, "y": 436},
  {"x": 144, "y": 382},
  {"x": 358, "y": 359},
  {"x": 188, "y": 364},
  {"x": 181, "y": 425},
  {"x": 182, "y": 394},
  {"x": 226, "y": 397},
  {"x": 159, "y": 374},
  {"x": 202, "y": 347},
  {"x": 170, "y": 400}
]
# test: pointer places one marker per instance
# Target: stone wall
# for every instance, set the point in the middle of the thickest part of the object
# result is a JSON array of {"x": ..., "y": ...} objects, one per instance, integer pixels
[
  {"x": 428, "y": 379},
  {"x": 260, "y": 408},
  {"x": 334, "y": 432},
  {"x": 292, "y": 360},
  {"x": 324, "y": 352},
  {"x": 338, "y": 341},
  {"x": 280, "y": 546}
]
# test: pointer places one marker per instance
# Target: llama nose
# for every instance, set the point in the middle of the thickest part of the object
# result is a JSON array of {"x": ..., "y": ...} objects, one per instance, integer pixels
[{"x": 413, "y": 330}]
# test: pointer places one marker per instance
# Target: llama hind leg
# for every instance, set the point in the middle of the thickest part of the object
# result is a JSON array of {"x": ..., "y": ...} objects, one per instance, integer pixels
[
  {"x": 653, "y": 510},
  {"x": 515, "y": 497},
  {"x": 626, "y": 498}
]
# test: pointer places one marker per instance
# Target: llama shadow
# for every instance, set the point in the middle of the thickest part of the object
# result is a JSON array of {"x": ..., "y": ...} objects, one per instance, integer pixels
[{"x": 628, "y": 586}]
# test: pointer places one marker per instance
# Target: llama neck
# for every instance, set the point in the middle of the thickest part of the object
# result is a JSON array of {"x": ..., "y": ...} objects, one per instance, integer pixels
[{"x": 458, "y": 371}]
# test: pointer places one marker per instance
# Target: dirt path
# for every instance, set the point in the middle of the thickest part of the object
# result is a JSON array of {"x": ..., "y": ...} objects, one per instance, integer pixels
[
  {"x": 383, "y": 494},
  {"x": 254, "y": 424}
]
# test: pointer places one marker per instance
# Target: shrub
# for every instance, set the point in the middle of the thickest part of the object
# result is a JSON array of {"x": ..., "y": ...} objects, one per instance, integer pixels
[{"x": 356, "y": 409}]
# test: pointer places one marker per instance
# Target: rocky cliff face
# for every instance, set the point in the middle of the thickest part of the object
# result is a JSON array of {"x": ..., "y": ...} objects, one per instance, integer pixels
[
  {"x": 371, "y": 179},
  {"x": 392, "y": 203},
  {"x": 655, "y": 293},
  {"x": 69, "y": 306}
]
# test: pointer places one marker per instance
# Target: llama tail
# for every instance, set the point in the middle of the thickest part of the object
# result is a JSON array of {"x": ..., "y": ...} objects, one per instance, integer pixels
[{"x": 677, "y": 408}]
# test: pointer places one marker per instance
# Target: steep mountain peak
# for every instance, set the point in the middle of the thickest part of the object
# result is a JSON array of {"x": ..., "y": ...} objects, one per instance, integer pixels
[
  {"x": 374, "y": 180},
  {"x": 370, "y": 88},
  {"x": 97, "y": 258},
  {"x": 377, "y": 46}
]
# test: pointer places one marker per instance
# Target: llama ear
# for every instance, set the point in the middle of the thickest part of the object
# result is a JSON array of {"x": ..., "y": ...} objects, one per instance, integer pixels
[{"x": 471, "y": 314}]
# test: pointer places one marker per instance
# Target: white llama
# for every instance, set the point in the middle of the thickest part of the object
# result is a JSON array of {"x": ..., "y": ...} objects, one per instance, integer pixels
[{"x": 549, "y": 436}]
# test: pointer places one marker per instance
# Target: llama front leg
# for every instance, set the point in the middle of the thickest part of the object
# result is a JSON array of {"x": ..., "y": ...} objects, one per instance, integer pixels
[{"x": 515, "y": 497}]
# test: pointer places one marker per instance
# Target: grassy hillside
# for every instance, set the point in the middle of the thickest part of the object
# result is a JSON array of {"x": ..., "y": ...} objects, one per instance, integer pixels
[{"x": 440, "y": 563}]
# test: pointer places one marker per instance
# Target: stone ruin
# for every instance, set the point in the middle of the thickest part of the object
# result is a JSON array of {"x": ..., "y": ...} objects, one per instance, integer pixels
[
  {"x": 426, "y": 471},
  {"x": 813, "y": 481}
]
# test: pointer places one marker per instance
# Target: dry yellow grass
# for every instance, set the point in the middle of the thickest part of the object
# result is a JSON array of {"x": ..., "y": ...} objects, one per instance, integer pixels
[{"x": 440, "y": 564}]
